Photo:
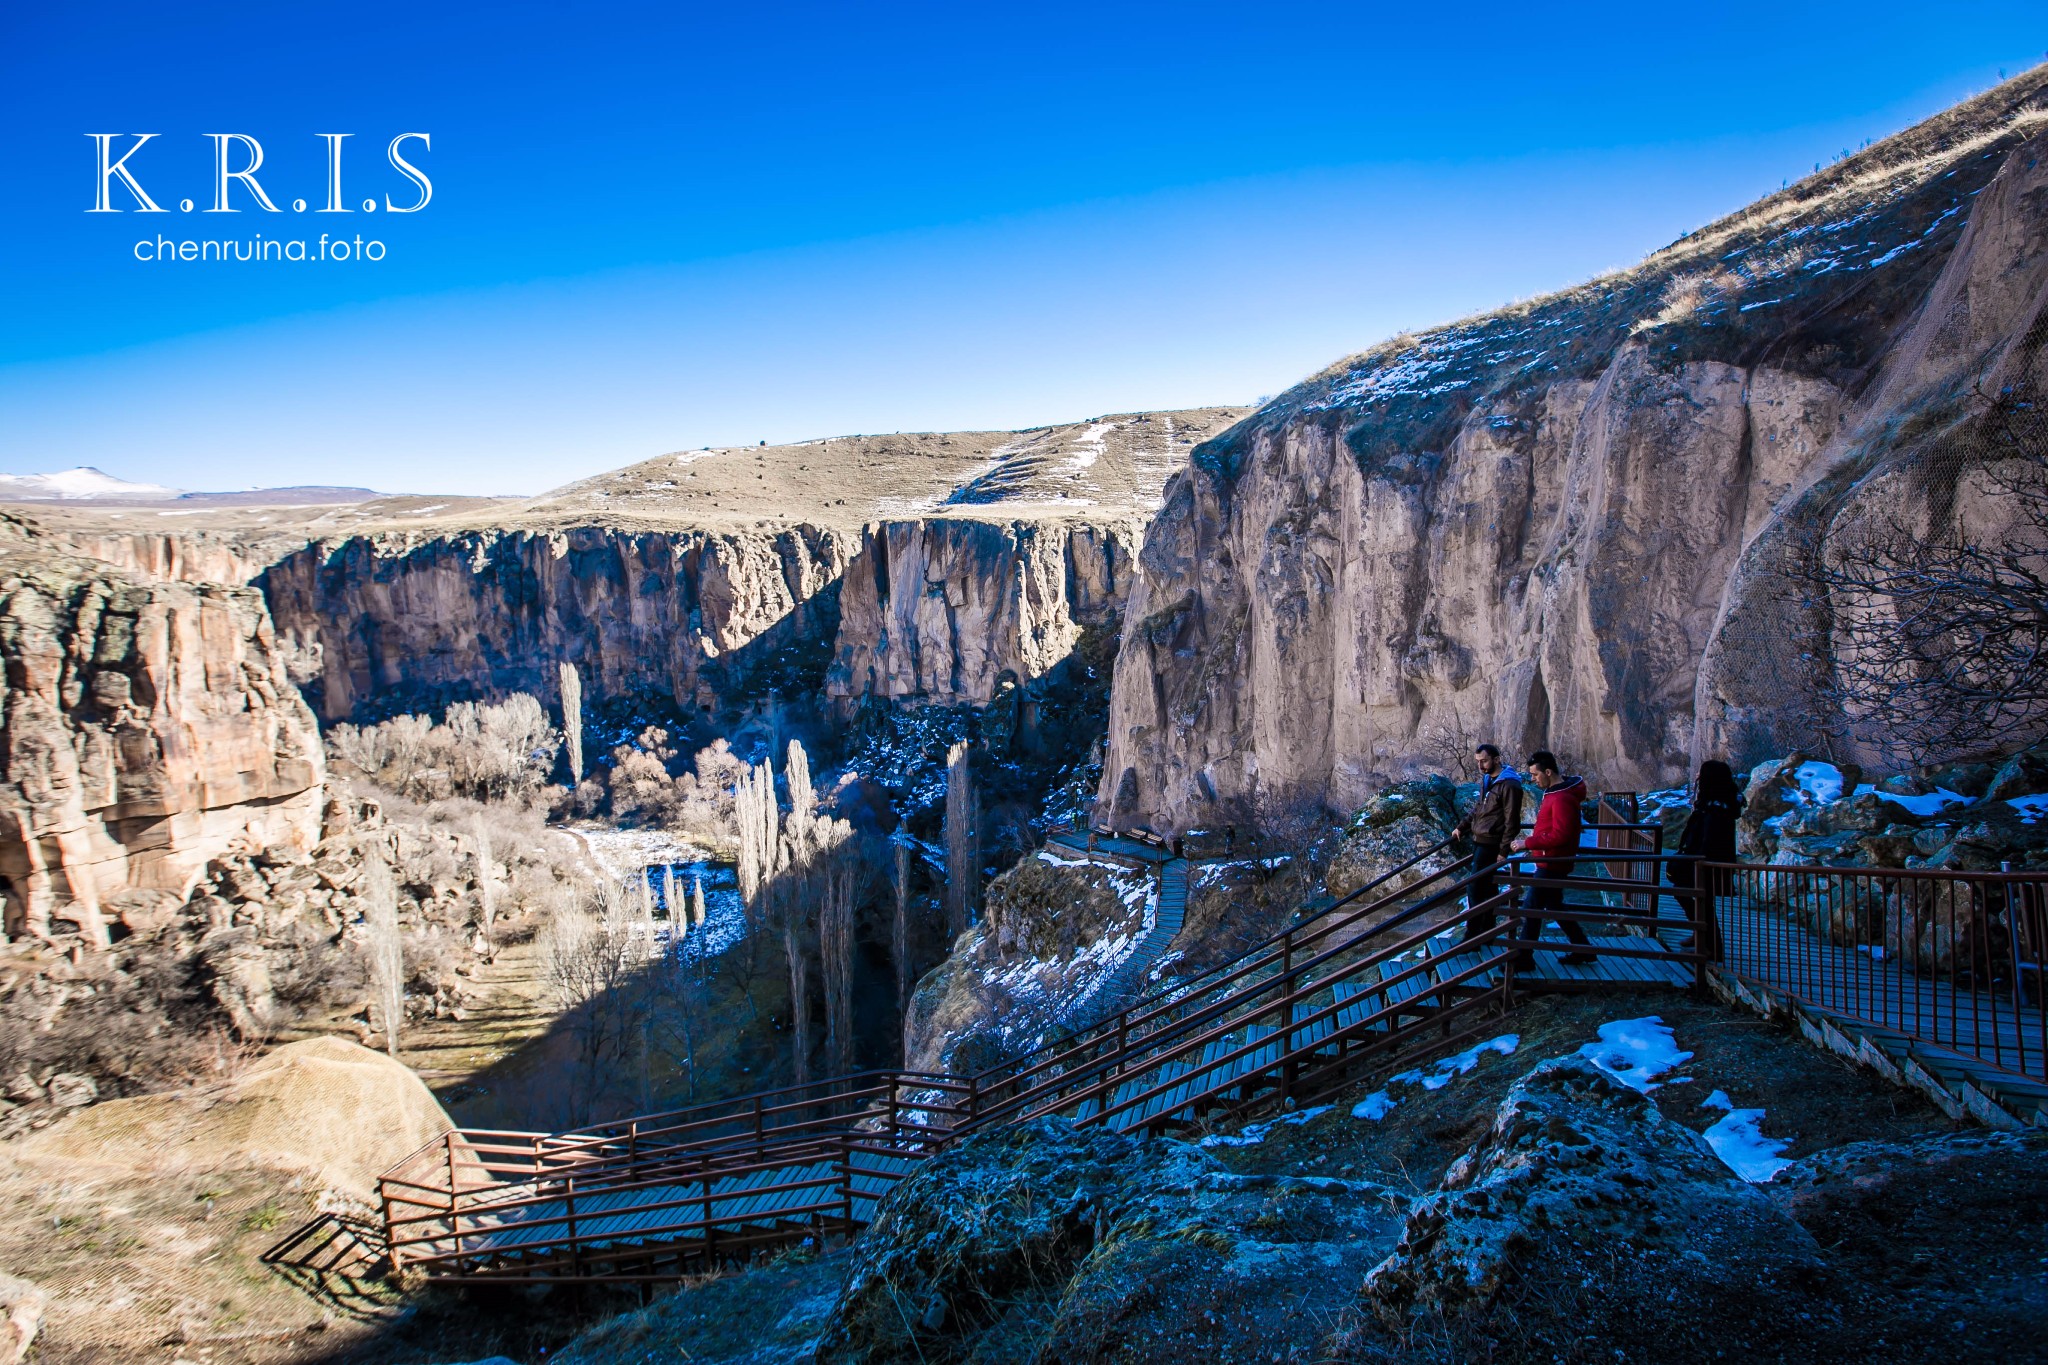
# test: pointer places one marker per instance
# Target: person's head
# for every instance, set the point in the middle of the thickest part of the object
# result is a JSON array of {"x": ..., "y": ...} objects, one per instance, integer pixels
[
  {"x": 1487, "y": 756},
  {"x": 1543, "y": 767},
  {"x": 1716, "y": 779}
]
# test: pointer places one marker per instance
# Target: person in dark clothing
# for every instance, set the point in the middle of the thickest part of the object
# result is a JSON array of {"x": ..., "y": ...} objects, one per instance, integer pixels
[
  {"x": 1495, "y": 818},
  {"x": 1709, "y": 836},
  {"x": 1554, "y": 843}
]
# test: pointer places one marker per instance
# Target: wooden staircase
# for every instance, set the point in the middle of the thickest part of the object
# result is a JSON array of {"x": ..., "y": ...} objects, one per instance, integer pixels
[{"x": 1395, "y": 967}]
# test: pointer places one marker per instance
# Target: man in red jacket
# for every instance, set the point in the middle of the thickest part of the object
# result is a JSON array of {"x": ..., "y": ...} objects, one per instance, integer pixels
[{"x": 1555, "y": 844}]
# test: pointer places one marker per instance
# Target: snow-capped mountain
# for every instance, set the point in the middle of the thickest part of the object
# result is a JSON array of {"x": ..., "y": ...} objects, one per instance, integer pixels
[{"x": 84, "y": 484}]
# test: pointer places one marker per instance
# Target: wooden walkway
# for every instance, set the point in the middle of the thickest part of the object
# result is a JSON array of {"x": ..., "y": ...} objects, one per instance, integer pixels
[
  {"x": 1348, "y": 986},
  {"x": 1994, "y": 1026}
]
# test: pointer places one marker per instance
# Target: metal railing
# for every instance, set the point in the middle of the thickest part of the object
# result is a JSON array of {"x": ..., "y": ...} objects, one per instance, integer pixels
[
  {"x": 1949, "y": 958},
  {"x": 1408, "y": 960},
  {"x": 477, "y": 1204}
]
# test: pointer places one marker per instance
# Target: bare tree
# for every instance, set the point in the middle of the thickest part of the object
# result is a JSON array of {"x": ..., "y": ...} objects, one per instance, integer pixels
[
  {"x": 899, "y": 938},
  {"x": 963, "y": 862},
  {"x": 593, "y": 956},
  {"x": 835, "y": 950},
  {"x": 572, "y": 719},
  {"x": 697, "y": 903},
  {"x": 1448, "y": 742},
  {"x": 796, "y": 949},
  {"x": 803, "y": 799},
  {"x": 386, "y": 952},
  {"x": 486, "y": 887},
  {"x": 1939, "y": 633}
]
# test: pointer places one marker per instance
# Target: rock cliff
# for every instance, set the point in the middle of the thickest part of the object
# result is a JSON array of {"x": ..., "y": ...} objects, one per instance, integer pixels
[
  {"x": 938, "y": 610},
  {"x": 147, "y": 726},
  {"x": 944, "y": 609},
  {"x": 703, "y": 617},
  {"x": 1573, "y": 522}
]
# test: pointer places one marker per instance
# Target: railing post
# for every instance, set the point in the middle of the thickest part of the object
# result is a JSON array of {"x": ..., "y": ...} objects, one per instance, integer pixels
[
  {"x": 845, "y": 1186},
  {"x": 569, "y": 1203},
  {"x": 1287, "y": 1016}
]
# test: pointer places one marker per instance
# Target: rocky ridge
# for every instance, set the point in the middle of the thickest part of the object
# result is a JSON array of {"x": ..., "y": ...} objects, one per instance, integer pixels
[
  {"x": 147, "y": 726},
  {"x": 1573, "y": 521}
]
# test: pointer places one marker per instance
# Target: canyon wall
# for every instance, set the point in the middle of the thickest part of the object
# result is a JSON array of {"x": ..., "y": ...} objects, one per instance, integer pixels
[
  {"x": 167, "y": 556},
  {"x": 929, "y": 610},
  {"x": 147, "y": 726},
  {"x": 1555, "y": 525},
  {"x": 399, "y": 621},
  {"x": 944, "y": 609}
]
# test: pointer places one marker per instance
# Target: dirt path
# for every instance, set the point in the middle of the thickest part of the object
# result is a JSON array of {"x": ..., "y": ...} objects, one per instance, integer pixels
[{"x": 509, "y": 1006}]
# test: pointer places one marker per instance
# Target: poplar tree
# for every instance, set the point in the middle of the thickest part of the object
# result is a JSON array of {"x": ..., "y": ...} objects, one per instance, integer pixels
[{"x": 572, "y": 719}]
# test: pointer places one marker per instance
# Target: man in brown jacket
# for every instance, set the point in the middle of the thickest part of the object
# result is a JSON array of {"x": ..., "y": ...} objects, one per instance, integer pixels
[{"x": 1494, "y": 822}]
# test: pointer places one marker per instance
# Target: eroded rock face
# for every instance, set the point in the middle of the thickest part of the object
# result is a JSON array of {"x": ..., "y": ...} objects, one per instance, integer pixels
[
  {"x": 1050, "y": 1242},
  {"x": 698, "y": 616},
  {"x": 1053, "y": 931},
  {"x": 1574, "y": 1161},
  {"x": 147, "y": 726},
  {"x": 1572, "y": 524},
  {"x": 948, "y": 610},
  {"x": 938, "y": 610}
]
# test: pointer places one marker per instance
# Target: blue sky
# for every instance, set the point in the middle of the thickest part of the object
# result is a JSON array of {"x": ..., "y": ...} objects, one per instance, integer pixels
[{"x": 657, "y": 227}]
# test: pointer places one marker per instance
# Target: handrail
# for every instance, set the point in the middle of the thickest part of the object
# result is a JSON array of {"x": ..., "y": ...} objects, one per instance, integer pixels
[
  {"x": 1180, "y": 988},
  {"x": 1244, "y": 965},
  {"x": 1113, "y": 1073}
]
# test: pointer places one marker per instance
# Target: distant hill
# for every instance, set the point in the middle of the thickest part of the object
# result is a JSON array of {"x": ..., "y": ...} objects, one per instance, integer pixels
[
  {"x": 297, "y": 495},
  {"x": 83, "y": 484},
  {"x": 86, "y": 484}
]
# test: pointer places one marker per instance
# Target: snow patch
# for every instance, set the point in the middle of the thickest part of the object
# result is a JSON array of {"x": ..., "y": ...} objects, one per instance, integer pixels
[
  {"x": 1441, "y": 1073},
  {"x": 1817, "y": 783},
  {"x": 1254, "y": 1134},
  {"x": 2031, "y": 808},
  {"x": 1737, "y": 1138},
  {"x": 1435, "y": 1076},
  {"x": 1933, "y": 803},
  {"x": 1374, "y": 1107},
  {"x": 1636, "y": 1052}
]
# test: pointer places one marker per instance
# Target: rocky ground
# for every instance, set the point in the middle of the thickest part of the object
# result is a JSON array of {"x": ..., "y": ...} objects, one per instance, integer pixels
[{"x": 1520, "y": 1202}]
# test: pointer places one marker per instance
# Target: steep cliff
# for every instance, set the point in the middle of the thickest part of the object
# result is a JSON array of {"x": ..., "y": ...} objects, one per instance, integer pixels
[
  {"x": 944, "y": 609},
  {"x": 700, "y": 616},
  {"x": 1555, "y": 523},
  {"x": 654, "y": 595},
  {"x": 147, "y": 726}
]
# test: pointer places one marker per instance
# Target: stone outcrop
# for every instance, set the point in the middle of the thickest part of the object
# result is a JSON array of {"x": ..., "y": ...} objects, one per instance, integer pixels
[
  {"x": 1572, "y": 523},
  {"x": 927, "y": 611},
  {"x": 1579, "y": 1168},
  {"x": 147, "y": 726},
  {"x": 324, "y": 1106},
  {"x": 946, "y": 610},
  {"x": 1053, "y": 931},
  {"x": 706, "y": 618}
]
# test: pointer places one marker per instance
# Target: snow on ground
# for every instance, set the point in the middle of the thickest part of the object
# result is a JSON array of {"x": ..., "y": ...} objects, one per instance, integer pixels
[
  {"x": 1253, "y": 1134},
  {"x": 1934, "y": 803},
  {"x": 1088, "y": 446},
  {"x": 1737, "y": 1138},
  {"x": 1636, "y": 1052},
  {"x": 1817, "y": 783},
  {"x": 1039, "y": 992},
  {"x": 2031, "y": 808},
  {"x": 627, "y": 854},
  {"x": 1435, "y": 1076}
]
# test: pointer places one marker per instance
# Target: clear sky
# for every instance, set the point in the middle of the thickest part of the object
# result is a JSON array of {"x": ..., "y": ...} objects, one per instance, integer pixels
[{"x": 665, "y": 226}]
